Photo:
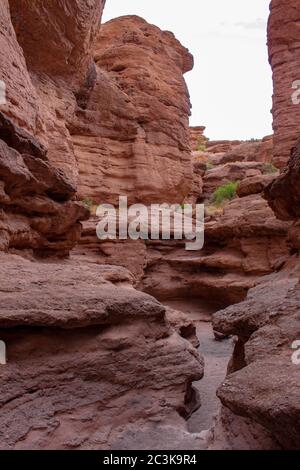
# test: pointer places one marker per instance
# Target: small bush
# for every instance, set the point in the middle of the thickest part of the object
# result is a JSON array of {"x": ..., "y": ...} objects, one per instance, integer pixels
[
  {"x": 201, "y": 147},
  {"x": 269, "y": 168},
  {"x": 225, "y": 193},
  {"x": 88, "y": 203},
  {"x": 209, "y": 166}
]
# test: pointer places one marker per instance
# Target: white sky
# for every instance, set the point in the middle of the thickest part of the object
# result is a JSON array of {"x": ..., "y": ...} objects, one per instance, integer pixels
[{"x": 231, "y": 84}]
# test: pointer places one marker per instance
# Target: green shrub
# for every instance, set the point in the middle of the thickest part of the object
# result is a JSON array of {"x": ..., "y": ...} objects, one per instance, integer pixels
[
  {"x": 201, "y": 147},
  {"x": 225, "y": 193},
  {"x": 269, "y": 168},
  {"x": 88, "y": 203},
  {"x": 209, "y": 166}
]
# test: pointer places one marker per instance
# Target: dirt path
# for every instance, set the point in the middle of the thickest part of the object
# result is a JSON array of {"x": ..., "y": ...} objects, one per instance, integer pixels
[{"x": 216, "y": 355}]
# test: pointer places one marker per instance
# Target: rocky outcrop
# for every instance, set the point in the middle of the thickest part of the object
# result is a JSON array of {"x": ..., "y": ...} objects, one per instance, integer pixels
[
  {"x": 283, "y": 41},
  {"x": 84, "y": 358},
  {"x": 197, "y": 138},
  {"x": 91, "y": 363},
  {"x": 131, "y": 134},
  {"x": 250, "y": 151},
  {"x": 283, "y": 194},
  {"x": 56, "y": 66},
  {"x": 229, "y": 172},
  {"x": 263, "y": 383},
  {"x": 255, "y": 184},
  {"x": 37, "y": 162},
  {"x": 36, "y": 211},
  {"x": 242, "y": 244}
]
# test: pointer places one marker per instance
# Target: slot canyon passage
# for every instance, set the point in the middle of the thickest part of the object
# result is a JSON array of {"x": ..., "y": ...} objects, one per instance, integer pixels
[{"x": 123, "y": 344}]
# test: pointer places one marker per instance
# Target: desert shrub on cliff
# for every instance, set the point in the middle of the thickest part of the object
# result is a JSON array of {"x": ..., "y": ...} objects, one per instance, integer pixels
[
  {"x": 226, "y": 192},
  {"x": 201, "y": 147},
  {"x": 209, "y": 166},
  {"x": 88, "y": 203}
]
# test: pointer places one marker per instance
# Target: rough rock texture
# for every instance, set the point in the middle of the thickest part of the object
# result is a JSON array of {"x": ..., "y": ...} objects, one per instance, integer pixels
[
  {"x": 36, "y": 212},
  {"x": 36, "y": 208},
  {"x": 226, "y": 151},
  {"x": 84, "y": 352},
  {"x": 58, "y": 58},
  {"x": 90, "y": 360},
  {"x": 255, "y": 184},
  {"x": 263, "y": 383},
  {"x": 254, "y": 151},
  {"x": 284, "y": 193},
  {"x": 131, "y": 134},
  {"x": 68, "y": 37},
  {"x": 241, "y": 245},
  {"x": 284, "y": 44},
  {"x": 223, "y": 174},
  {"x": 243, "y": 241},
  {"x": 197, "y": 138}
]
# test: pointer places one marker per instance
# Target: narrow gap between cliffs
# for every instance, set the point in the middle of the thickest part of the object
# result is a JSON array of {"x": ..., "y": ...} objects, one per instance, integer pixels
[{"x": 216, "y": 353}]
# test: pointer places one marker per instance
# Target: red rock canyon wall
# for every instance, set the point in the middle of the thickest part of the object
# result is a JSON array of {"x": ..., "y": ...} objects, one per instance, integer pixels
[{"x": 284, "y": 44}]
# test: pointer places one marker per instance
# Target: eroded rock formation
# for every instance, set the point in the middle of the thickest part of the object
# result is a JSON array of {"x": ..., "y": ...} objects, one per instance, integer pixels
[
  {"x": 84, "y": 353},
  {"x": 75, "y": 331},
  {"x": 131, "y": 132},
  {"x": 92, "y": 362},
  {"x": 283, "y": 41}
]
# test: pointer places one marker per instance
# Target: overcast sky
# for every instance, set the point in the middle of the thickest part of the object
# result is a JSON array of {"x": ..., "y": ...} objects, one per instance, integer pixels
[{"x": 231, "y": 84}]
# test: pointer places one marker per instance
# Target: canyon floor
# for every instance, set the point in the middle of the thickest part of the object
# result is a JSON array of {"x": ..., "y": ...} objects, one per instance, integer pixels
[{"x": 216, "y": 356}]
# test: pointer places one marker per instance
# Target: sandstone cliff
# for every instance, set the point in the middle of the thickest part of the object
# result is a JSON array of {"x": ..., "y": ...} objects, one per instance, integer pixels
[
  {"x": 37, "y": 211},
  {"x": 131, "y": 132},
  {"x": 283, "y": 41},
  {"x": 90, "y": 360}
]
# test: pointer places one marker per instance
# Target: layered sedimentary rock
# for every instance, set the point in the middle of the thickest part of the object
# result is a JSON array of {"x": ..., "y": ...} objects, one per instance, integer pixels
[
  {"x": 37, "y": 213},
  {"x": 36, "y": 208},
  {"x": 229, "y": 172},
  {"x": 91, "y": 362},
  {"x": 263, "y": 382},
  {"x": 284, "y": 44},
  {"x": 284, "y": 193},
  {"x": 58, "y": 53},
  {"x": 131, "y": 134},
  {"x": 241, "y": 245},
  {"x": 243, "y": 241},
  {"x": 197, "y": 138},
  {"x": 84, "y": 359}
]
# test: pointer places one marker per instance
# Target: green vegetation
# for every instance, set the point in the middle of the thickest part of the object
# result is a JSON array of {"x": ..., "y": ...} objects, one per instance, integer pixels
[
  {"x": 269, "y": 168},
  {"x": 225, "y": 193},
  {"x": 88, "y": 203},
  {"x": 201, "y": 147},
  {"x": 209, "y": 166}
]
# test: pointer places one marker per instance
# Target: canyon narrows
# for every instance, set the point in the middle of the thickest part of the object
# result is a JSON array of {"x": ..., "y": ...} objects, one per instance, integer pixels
[{"x": 141, "y": 344}]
